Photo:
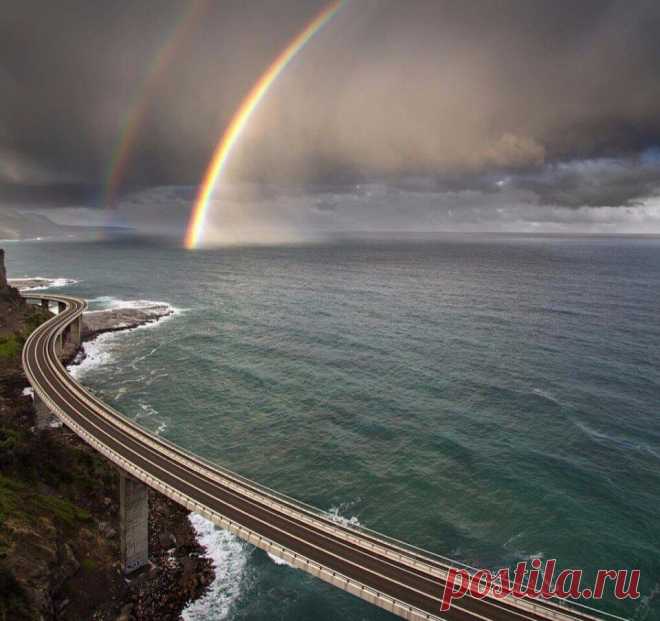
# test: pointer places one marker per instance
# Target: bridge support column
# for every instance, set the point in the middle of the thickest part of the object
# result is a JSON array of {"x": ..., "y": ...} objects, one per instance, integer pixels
[
  {"x": 134, "y": 523},
  {"x": 44, "y": 416},
  {"x": 45, "y": 304},
  {"x": 75, "y": 330},
  {"x": 61, "y": 307}
]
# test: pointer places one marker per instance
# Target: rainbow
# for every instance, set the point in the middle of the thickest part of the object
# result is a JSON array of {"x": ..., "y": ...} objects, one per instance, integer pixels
[
  {"x": 131, "y": 125},
  {"x": 240, "y": 119}
]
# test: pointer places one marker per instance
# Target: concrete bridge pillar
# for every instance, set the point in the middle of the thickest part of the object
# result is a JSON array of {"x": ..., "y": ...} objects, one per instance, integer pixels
[
  {"x": 75, "y": 330},
  {"x": 61, "y": 307},
  {"x": 45, "y": 304},
  {"x": 134, "y": 523},
  {"x": 44, "y": 417}
]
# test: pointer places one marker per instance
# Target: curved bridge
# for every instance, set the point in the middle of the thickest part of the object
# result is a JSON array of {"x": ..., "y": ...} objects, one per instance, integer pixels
[{"x": 387, "y": 573}]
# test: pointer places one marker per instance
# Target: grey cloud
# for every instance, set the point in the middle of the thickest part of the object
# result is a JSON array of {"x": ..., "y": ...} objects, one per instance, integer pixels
[
  {"x": 432, "y": 97},
  {"x": 594, "y": 183}
]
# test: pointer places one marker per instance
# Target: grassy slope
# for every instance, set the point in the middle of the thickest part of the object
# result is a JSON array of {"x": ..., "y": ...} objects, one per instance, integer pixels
[{"x": 45, "y": 485}]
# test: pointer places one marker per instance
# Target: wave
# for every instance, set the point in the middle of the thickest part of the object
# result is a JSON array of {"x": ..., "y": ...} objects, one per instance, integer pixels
[
  {"x": 516, "y": 553},
  {"x": 278, "y": 560},
  {"x": 547, "y": 395},
  {"x": 17, "y": 240},
  {"x": 229, "y": 556},
  {"x": 93, "y": 354},
  {"x": 618, "y": 441},
  {"x": 147, "y": 411},
  {"x": 109, "y": 302},
  {"x": 335, "y": 514},
  {"x": 36, "y": 283}
]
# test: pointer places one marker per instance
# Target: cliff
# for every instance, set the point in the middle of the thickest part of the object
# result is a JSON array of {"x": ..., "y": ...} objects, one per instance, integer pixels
[
  {"x": 18, "y": 224},
  {"x": 59, "y": 543},
  {"x": 3, "y": 270},
  {"x": 14, "y": 311}
]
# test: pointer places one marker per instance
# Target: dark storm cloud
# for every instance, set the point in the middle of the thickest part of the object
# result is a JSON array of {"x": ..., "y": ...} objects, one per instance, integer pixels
[
  {"x": 558, "y": 97},
  {"x": 49, "y": 195},
  {"x": 594, "y": 183}
]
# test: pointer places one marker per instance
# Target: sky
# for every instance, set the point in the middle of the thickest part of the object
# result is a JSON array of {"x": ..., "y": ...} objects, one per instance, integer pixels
[{"x": 524, "y": 115}]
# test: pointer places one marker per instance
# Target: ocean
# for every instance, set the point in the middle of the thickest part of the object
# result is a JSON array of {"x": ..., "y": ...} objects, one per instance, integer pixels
[{"x": 489, "y": 398}]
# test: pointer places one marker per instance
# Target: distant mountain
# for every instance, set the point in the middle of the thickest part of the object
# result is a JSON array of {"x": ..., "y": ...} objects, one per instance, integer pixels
[
  {"x": 17, "y": 224},
  {"x": 20, "y": 224}
]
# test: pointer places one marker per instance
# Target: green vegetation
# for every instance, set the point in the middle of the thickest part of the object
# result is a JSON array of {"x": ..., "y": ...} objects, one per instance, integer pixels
[
  {"x": 11, "y": 346},
  {"x": 35, "y": 319},
  {"x": 47, "y": 483},
  {"x": 9, "y": 497},
  {"x": 64, "y": 511},
  {"x": 19, "y": 501},
  {"x": 88, "y": 564}
]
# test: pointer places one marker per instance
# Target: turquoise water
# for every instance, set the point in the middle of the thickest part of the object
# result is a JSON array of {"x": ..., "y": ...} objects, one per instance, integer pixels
[{"x": 489, "y": 398}]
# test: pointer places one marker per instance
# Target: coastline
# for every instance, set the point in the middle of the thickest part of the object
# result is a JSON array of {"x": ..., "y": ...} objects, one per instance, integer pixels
[
  {"x": 76, "y": 571},
  {"x": 180, "y": 571}
]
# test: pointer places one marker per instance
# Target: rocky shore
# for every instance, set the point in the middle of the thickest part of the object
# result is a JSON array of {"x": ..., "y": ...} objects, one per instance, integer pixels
[
  {"x": 25, "y": 284},
  {"x": 59, "y": 513},
  {"x": 116, "y": 319}
]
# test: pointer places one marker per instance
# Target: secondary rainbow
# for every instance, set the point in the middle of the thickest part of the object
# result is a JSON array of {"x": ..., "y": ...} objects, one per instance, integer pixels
[
  {"x": 240, "y": 119},
  {"x": 132, "y": 123}
]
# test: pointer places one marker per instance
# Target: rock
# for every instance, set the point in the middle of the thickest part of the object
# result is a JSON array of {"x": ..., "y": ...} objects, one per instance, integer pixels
[
  {"x": 25, "y": 284},
  {"x": 112, "y": 320},
  {"x": 107, "y": 530},
  {"x": 3, "y": 270},
  {"x": 69, "y": 564},
  {"x": 125, "y": 613}
]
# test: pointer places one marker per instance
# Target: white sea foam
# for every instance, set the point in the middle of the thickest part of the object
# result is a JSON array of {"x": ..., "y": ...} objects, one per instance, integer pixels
[
  {"x": 613, "y": 439},
  {"x": 103, "y": 300},
  {"x": 162, "y": 426},
  {"x": 336, "y": 514},
  {"x": 518, "y": 554},
  {"x": 28, "y": 392},
  {"x": 548, "y": 396},
  {"x": 229, "y": 556},
  {"x": 108, "y": 302},
  {"x": 19, "y": 240},
  {"x": 147, "y": 410},
  {"x": 133, "y": 364},
  {"x": 96, "y": 355},
  {"x": 277, "y": 560},
  {"x": 35, "y": 283}
]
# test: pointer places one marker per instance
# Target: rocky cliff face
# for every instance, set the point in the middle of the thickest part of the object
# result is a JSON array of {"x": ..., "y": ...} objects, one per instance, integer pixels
[
  {"x": 59, "y": 523},
  {"x": 3, "y": 271},
  {"x": 13, "y": 309}
]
